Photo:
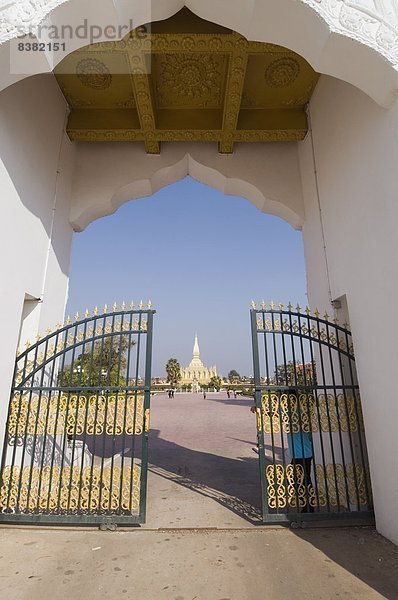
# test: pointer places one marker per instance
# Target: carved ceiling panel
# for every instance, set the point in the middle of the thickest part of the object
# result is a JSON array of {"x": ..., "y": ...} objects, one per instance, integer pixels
[
  {"x": 163, "y": 86},
  {"x": 189, "y": 81}
]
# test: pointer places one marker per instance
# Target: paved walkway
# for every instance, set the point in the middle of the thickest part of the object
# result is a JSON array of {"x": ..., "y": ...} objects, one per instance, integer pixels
[
  {"x": 255, "y": 564},
  {"x": 201, "y": 541},
  {"x": 203, "y": 471}
]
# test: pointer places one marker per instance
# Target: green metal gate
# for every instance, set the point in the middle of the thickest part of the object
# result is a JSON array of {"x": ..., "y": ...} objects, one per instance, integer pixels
[
  {"x": 311, "y": 439},
  {"x": 76, "y": 443}
]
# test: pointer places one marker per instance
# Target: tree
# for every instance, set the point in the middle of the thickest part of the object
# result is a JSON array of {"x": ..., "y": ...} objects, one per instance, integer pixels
[
  {"x": 291, "y": 374},
  {"x": 173, "y": 370},
  {"x": 233, "y": 376},
  {"x": 102, "y": 364},
  {"x": 215, "y": 382}
]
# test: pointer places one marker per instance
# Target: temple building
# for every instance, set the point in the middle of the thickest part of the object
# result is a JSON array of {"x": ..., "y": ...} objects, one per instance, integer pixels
[{"x": 196, "y": 373}]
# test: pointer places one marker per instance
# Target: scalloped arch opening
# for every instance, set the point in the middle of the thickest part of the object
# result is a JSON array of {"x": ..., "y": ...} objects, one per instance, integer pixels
[{"x": 187, "y": 166}]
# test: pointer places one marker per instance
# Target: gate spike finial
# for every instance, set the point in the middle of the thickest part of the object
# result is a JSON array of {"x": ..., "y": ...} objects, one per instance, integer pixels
[
  {"x": 307, "y": 310},
  {"x": 95, "y": 311},
  {"x": 58, "y": 325},
  {"x": 317, "y": 313},
  {"x": 336, "y": 321},
  {"x": 346, "y": 324},
  {"x": 272, "y": 305},
  {"x": 280, "y": 306},
  {"x": 149, "y": 304},
  {"x": 123, "y": 307},
  {"x": 38, "y": 338},
  {"x": 253, "y": 305},
  {"x": 67, "y": 321},
  {"x": 18, "y": 351},
  {"x": 290, "y": 306},
  {"x": 48, "y": 331},
  {"x": 77, "y": 316},
  {"x": 141, "y": 305},
  {"x": 114, "y": 307},
  {"x": 263, "y": 304},
  {"x": 105, "y": 309},
  {"x": 86, "y": 313},
  {"x": 131, "y": 305},
  {"x": 326, "y": 316},
  {"x": 298, "y": 308},
  {"x": 27, "y": 344}
]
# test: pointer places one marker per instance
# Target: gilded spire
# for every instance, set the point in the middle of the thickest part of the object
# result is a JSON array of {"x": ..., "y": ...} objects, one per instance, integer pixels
[{"x": 196, "y": 352}]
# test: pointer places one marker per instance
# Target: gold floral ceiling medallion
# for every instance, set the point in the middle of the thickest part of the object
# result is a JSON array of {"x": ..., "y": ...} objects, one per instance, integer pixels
[{"x": 186, "y": 80}]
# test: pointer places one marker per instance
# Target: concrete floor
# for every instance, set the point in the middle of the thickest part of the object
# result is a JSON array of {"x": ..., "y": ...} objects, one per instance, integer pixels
[
  {"x": 253, "y": 564},
  {"x": 201, "y": 540}
]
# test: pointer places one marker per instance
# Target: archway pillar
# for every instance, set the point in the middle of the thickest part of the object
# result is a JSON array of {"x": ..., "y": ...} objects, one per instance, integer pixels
[
  {"x": 351, "y": 250},
  {"x": 36, "y": 166}
]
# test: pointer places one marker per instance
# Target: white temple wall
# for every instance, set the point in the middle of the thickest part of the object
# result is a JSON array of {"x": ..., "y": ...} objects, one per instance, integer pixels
[
  {"x": 108, "y": 175},
  {"x": 36, "y": 162},
  {"x": 356, "y": 157}
]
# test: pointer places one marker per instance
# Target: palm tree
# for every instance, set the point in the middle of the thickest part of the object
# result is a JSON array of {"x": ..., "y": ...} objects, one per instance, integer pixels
[{"x": 173, "y": 370}]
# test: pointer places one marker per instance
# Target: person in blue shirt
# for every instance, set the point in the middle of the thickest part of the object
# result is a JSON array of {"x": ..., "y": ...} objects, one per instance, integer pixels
[{"x": 301, "y": 449}]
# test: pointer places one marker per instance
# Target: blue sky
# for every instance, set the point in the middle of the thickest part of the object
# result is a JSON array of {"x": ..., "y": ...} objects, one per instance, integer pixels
[{"x": 200, "y": 257}]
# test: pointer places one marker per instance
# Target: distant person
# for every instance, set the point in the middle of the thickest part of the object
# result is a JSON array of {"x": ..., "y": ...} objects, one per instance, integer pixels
[
  {"x": 204, "y": 395},
  {"x": 300, "y": 447},
  {"x": 228, "y": 394},
  {"x": 235, "y": 395}
]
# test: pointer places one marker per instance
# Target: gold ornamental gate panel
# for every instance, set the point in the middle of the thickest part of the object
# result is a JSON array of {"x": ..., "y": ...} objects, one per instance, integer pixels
[
  {"x": 310, "y": 429},
  {"x": 76, "y": 444}
]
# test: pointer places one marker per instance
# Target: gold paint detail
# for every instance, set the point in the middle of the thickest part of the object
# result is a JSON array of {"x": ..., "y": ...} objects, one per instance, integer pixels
[
  {"x": 41, "y": 415},
  {"x": 189, "y": 80},
  {"x": 308, "y": 414},
  {"x": 259, "y": 419},
  {"x": 233, "y": 93},
  {"x": 157, "y": 87},
  {"x": 282, "y": 72},
  {"x": 32, "y": 489},
  {"x": 330, "y": 335},
  {"x": 93, "y": 74},
  {"x": 286, "y": 487},
  {"x": 147, "y": 420}
]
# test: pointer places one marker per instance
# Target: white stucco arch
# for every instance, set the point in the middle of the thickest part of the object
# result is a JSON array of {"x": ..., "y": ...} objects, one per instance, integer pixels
[
  {"x": 105, "y": 179},
  {"x": 353, "y": 41}
]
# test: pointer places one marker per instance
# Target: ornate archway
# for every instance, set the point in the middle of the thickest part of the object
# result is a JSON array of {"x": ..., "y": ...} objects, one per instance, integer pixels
[{"x": 322, "y": 31}]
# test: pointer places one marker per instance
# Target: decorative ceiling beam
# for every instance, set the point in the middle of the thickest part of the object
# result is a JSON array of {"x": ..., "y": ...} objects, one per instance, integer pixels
[
  {"x": 233, "y": 93},
  {"x": 105, "y": 135},
  {"x": 172, "y": 135},
  {"x": 143, "y": 99}
]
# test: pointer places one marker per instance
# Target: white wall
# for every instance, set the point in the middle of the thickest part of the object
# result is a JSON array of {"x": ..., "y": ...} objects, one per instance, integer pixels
[
  {"x": 107, "y": 175},
  {"x": 356, "y": 152},
  {"x": 36, "y": 162}
]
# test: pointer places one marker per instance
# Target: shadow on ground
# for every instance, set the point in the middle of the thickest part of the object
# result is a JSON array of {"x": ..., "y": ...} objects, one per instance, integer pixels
[
  {"x": 232, "y": 482},
  {"x": 232, "y": 401},
  {"x": 362, "y": 552}
]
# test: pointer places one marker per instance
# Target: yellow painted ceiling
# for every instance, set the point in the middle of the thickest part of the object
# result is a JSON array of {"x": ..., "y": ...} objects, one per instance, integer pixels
[{"x": 186, "y": 79}]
